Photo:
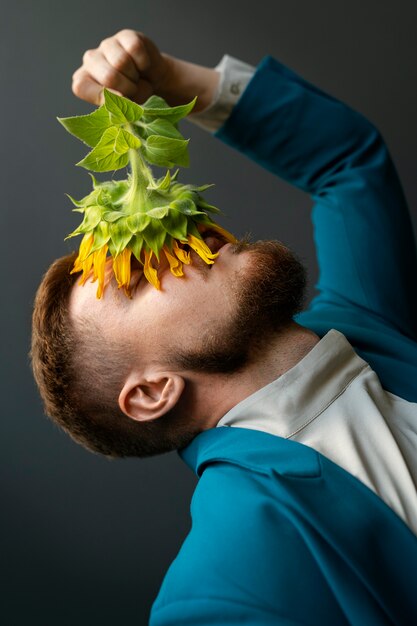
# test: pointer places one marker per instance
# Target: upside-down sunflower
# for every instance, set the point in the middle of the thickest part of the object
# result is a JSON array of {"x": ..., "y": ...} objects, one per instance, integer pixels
[{"x": 139, "y": 216}]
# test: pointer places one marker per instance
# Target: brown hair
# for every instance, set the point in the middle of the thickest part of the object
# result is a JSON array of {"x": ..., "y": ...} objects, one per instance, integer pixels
[{"x": 80, "y": 374}]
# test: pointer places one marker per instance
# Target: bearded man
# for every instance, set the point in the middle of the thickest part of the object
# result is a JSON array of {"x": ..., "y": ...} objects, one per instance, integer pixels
[{"x": 301, "y": 424}]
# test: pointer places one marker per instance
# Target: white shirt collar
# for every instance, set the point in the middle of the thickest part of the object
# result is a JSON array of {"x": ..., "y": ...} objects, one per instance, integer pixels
[{"x": 293, "y": 400}]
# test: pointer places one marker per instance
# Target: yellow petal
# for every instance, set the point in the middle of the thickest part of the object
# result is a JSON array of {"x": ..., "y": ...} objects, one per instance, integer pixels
[
  {"x": 183, "y": 256},
  {"x": 85, "y": 247},
  {"x": 83, "y": 262},
  {"x": 202, "y": 249},
  {"x": 222, "y": 231},
  {"x": 175, "y": 264},
  {"x": 99, "y": 267},
  {"x": 149, "y": 271},
  {"x": 121, "y": 268}
]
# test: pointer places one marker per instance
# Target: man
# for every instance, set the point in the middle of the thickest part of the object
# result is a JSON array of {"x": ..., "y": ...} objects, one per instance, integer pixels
[{"x": 300, "y": 424}]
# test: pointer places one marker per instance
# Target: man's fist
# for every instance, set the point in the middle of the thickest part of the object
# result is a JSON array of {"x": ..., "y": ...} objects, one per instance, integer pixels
[
  {"x": 131, "y": 65},
  {"x": 128, "y": 63}
]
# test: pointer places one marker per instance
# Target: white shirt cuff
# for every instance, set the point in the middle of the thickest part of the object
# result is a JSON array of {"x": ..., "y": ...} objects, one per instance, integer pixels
[{"x": 234, "y": 78}]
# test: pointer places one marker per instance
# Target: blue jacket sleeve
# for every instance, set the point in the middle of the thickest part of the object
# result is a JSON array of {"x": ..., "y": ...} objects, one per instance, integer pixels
[{"x": 363, "y": 232}]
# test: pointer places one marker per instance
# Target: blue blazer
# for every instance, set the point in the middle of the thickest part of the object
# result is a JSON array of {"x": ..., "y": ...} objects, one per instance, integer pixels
[{"x": 280, "y": 534}]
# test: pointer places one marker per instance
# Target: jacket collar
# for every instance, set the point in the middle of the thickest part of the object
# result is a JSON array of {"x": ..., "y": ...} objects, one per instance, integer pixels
[{"x": 252, "y": 449}]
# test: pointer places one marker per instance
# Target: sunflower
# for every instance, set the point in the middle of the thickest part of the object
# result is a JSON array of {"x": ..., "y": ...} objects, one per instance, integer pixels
[{"x": 139, "y": 216}]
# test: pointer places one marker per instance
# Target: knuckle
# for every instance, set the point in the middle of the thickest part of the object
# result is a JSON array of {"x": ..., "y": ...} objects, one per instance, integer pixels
[
  {"x": 109, "y": 77},
  {"x": 126, "y": 32},
  {"x": 87, "y": 56},
  {"x": 120, "y": 61},
  {"x": 132, "y": 43},
  {"x": 105, "y": 43},
  {"x": 77, "y": 87}
]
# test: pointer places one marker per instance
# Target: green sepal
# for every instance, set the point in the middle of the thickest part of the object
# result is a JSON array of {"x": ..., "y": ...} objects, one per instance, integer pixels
[
  {"x": 89, "y": 128},
  {"x": 137, "y": 222},
  {"x": 91, "y": 219},
  {"x": 175, "y": 223},
  {"x": 121, "y": 110},
  {"x": 115, "y": 190},
  {"x": 111, "y": 153},
  {"x": 158, "y": 212},
  {"x": 78, "y": 203},
  {"x": 95, "y": 181},
  {"x": 101, "y": 236},
  {"x": 184, "y": 205},
  {"x": 154, "y": 236},
  {"x": 203, "y": 218},
  {"x": 120, "y": 235},
  {"x": 112, "y": 216},
  {"x": 136, "y": 245},
  {"x": 193, "y": 230},
  {"x": 207, "y": 207}
]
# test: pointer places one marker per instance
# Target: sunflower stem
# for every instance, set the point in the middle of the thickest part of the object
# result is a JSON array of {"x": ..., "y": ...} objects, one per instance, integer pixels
[{"x": 141, "y": 177}]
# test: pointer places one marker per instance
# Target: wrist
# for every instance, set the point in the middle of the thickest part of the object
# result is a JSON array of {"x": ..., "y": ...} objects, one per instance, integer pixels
[{"x": 184, "y": 80}]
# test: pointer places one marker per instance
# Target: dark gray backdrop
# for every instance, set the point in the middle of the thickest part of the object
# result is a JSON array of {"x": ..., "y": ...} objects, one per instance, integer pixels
[{"x": 86, "y": 541}]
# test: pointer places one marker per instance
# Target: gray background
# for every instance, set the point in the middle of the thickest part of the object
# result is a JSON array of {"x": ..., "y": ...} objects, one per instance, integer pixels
[{"x": 85, "y": 540}]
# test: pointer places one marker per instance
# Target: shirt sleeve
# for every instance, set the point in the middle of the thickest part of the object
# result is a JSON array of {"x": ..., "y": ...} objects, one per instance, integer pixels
[
  {"x": 362, "y": 228},
  {"x": 234, "y": 77}
]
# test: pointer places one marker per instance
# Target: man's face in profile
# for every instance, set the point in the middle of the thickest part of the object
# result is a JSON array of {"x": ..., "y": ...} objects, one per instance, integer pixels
[
  {"x": 212, "y": 312},
  {"x": 181, "y": 315}
]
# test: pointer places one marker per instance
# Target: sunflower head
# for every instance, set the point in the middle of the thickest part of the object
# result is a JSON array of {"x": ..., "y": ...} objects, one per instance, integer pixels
[{"x": 139, "y": 216}]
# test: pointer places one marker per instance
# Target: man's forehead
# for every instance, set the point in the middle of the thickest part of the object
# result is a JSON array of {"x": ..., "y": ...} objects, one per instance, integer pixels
[{"x": 83, "y": 299}]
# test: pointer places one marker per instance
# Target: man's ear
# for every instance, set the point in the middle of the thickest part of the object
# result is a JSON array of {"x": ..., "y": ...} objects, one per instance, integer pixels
[{"x": 145, "y": 399}]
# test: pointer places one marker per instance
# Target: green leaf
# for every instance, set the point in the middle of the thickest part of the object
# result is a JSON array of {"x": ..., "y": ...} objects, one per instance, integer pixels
[
  {"x": 166, "y": 152},
  {"x": 111, "y": 153},
  {"x": 121, "y": 110},
  {"x": 89, "y": 128},
  {"x": 162, "y": 127},
  {"x": 154, "y": 236},
  {"x": 120, "y": 235},
  {"x": 157, "y": 107},
  {"x": 137, "y": 222},
  {"x": 175, "y": 223}
]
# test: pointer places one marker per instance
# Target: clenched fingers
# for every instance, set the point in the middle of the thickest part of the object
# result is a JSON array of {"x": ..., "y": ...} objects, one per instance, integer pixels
[
  {"x": 118, "y": 57},
  {"x": 136, "y": 46},
  {"x": 88, "y": 89},
  {"x": 101, "y": 71}
]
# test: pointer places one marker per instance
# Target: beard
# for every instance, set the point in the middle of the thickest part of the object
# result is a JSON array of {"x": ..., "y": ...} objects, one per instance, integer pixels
[{"x": 265, "y": 298}]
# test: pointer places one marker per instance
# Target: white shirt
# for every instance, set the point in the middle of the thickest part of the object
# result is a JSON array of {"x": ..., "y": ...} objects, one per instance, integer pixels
[{"x": 332, "y": 401}]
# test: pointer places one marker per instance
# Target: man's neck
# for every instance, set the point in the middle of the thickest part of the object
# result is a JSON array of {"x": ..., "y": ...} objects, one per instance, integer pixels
[{"x": 215, "y": 395}]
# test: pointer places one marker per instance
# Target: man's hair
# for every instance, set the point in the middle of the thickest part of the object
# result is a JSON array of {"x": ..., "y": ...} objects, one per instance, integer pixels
[{"x": 80, "y": 373}]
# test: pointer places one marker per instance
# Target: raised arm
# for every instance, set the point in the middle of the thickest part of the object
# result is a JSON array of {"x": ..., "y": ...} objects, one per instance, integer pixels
[{"x": 363, "y": 232}]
